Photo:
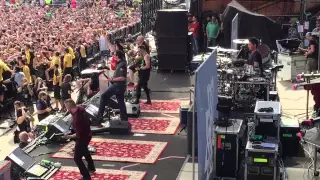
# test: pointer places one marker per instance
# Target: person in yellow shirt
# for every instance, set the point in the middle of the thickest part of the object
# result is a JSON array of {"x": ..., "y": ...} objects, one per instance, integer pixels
[
  {"x": 3, "y": 68},
  {"x": 25, "y": 69},
  {"x": 57, "y": 83},
  {"x": 54, "y": 61},
  {"x": 67, "y": 63},
  {"x": 83, "y": 58},
  {"x": 71, "y": 50},
  {"x": 29, "y": 56}
]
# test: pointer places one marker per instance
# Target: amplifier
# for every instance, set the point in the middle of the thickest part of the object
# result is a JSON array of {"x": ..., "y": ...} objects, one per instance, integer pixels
[
  {"x": 267, "y": 118},
  {"x": 226, "y": 150},
  {"x": 184, "y": 108},
  {"x": 288, "y": 136},
  {"x": 261, "y": 163}
]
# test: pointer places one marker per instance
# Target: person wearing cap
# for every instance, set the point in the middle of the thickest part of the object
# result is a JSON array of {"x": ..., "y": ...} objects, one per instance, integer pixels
[{"x": 311, "y": 54}]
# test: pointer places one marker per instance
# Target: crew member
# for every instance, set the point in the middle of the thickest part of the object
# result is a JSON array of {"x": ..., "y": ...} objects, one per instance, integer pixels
[
  {"x": 311, "y": 53},
  {"x": 43, "y": 108},
  {"x": 82, "y": 136},
  {"x": 57, "y": 83},
  {"x": 25, "y": 69},
  {"x": 117, "y": 87},
  {"x": 3, "y": 68},
  {"x": 67, "y": 62},
  {"x": 144, "y": 75},
  {"x": 255, "y": 58},
  {"x": 54, "y": 61}
]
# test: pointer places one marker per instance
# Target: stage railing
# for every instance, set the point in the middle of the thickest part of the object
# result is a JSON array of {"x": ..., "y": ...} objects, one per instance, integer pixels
[{"x": 148, "y": 13}]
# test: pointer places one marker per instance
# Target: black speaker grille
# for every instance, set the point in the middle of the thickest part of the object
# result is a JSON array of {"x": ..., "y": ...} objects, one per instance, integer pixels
[
  {"x": 172, "y": 23},
  {"x": 172, "y": 45},
  {"x": 172, "y": 61}
]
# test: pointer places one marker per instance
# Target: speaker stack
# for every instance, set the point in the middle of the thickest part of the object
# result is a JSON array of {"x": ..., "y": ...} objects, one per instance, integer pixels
[{"x": 172, "y": 37}]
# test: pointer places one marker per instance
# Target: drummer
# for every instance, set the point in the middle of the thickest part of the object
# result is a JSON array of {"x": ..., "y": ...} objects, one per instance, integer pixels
[{"x": 255, "y": 58}]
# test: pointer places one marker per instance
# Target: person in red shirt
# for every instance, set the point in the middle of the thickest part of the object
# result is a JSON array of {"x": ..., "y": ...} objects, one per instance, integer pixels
[
  {"x": 195, "y": 29},
  {"x": 82, "y": 136}
]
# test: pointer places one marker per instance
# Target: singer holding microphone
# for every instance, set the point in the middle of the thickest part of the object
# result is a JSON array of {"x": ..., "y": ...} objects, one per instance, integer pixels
[
  {"x": 118, "y": 87},
  {"x": 82, "y": 136}
]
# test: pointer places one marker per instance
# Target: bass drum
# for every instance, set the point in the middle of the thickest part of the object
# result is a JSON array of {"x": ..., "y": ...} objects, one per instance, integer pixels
[{"x": 266, "y": 55}]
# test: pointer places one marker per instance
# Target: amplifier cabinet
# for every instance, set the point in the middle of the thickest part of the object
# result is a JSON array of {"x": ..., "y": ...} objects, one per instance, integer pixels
[
  {"x": 261, "y": 164},
  {"x": 226, "y": 150}
]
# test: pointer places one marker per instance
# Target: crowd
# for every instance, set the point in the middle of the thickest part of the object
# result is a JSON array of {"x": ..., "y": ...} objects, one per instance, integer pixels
[{"x": 40, "y": 46}]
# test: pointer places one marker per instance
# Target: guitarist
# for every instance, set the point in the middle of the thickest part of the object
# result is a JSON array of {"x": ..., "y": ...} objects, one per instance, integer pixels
[{"x": 132, "y": 69}]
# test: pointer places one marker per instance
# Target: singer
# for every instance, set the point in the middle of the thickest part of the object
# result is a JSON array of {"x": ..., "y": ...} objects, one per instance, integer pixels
[
  {"x": 82, "y": 136},
  {"x": 118, "y": 87}
]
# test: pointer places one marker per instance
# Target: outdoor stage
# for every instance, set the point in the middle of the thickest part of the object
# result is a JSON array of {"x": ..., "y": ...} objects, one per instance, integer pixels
[{"x": 153, "y": 151}]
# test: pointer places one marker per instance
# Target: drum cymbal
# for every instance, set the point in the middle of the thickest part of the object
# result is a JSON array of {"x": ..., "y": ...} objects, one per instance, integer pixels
[{"x": 241, "y": 41}]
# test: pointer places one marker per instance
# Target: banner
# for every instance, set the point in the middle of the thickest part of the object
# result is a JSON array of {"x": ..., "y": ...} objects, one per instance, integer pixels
[
  {"x": 234, "y": 31},
  {"x": 206, "y": 94}
]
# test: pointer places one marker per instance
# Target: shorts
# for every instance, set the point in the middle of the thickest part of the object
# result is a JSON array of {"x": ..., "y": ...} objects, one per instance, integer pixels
[
  {"x": 64, "y": 97},
  {"x": 312, "y": 65},
  {"x": 57, "y": 92}
]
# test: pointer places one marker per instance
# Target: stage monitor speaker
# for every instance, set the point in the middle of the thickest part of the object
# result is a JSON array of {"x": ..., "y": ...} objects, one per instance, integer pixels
[
  {"x": 172, "y": 45},
  {"x": 120, "y": 127},
  {"x": 172, "y": 23},
  {"x": 20, "y": 162},
  {"x": 172, "y": 62}
]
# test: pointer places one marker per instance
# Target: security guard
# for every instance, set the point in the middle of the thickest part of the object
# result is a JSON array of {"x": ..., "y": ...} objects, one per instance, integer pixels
[{"x": 117, "y": 87}]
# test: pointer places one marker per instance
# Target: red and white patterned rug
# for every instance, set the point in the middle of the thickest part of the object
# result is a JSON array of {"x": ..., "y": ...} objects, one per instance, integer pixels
[
  {"x": 155, "y": 125},
  {"x": 162, "y": 106},
  {"x": 72, "y": 173},
  {"x": 119, "y": 150}
]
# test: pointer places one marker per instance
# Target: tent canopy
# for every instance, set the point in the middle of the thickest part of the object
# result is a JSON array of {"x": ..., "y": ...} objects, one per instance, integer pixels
[{"x": 250, "y": 25}]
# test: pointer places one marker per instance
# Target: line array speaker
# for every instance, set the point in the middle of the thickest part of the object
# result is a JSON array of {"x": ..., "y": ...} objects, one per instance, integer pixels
[
  {"x": 172, "y": 23},
  {"x": 172, "y": 39}
]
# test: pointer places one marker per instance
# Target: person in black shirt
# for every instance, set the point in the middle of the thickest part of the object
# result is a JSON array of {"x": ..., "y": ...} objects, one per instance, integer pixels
[
  {"x": 66, "y": 90},
  {"x": 43, "y": 108},
  {"x": 132, "y": 68},
  {"x": 117, "y": 88},
  {"x": 311, "y": 54},
  {"x": 255, "y": 58},
  {"x": 144, "y": 75},
  {"x": 23, "y": 120}
]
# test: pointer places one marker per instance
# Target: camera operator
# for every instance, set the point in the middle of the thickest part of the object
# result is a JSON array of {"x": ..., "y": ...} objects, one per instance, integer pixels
[
  {"x": 23, "y": 120},
  {"x": 43, "y": 106}
]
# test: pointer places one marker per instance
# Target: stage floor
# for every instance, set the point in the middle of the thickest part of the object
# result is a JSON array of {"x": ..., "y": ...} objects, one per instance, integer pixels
[{"x": 164, "y": 86}]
